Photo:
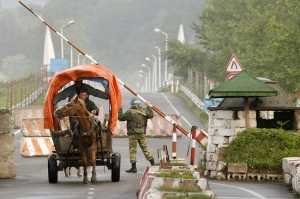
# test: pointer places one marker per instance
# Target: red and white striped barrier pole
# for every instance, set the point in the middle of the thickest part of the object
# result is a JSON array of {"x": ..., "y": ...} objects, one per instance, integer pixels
[
  {"x": 168, "y": 118},
  {"x": 193, "y": 145},
  {"x": 174, "y": 142}
]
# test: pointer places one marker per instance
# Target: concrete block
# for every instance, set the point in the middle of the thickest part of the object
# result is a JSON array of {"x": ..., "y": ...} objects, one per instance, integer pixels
[
  {"x": 211, "y": 165},
  {"x": 220, "y": 166},
  {"x": 221, "y": 114},
  {"x": 202, "y": 183},
  {"x": 217, "y": 140},
  {"x": 237, "y": 130},
  {"x": 213, "y": 174},
  {"x": 240, "y": 123},
  {"x": 237, "y": 168},
  {"x": 5, "y": 121},
  {"x": 8, "y": 169},
  {"x": 222, "y": 123},
  {"x": 253, "y": 123},
  {"x": 225, "y": 132},
  {"x": 236, "y": 176},
  {"x": 212, "y": 157},
  {"x": 241, "y": 114},
  {"x": 7, "y": 143},
  {"x": 211, "y": 148},
  {"x": 256, "y": 176},
  {"x": 202, "y": 155},
  {"x": 220, "y": 176}
]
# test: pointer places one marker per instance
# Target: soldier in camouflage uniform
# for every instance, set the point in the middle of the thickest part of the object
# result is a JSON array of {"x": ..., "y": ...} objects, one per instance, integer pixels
[{"x": 136, "y": 118}]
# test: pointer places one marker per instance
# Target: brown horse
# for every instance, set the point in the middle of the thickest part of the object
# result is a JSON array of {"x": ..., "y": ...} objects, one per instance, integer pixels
[{"x": 87, "y": 138}]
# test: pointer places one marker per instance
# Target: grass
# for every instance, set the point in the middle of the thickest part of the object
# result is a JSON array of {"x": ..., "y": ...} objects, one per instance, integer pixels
[
  {"x": 189, "y": 196},
  {"x": 180, "y": 188},
  {"x": 176, "y": 174},
  {"x": 174, "y": 164}
]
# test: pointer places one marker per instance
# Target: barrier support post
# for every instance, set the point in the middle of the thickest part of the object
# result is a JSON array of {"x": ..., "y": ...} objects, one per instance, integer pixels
[
  {"x": 174, "y": 141},
  {"x": 193, "y": 145}
]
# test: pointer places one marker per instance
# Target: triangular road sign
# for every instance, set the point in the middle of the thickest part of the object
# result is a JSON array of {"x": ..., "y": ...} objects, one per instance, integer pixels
[{"x": 233, "y": 65}]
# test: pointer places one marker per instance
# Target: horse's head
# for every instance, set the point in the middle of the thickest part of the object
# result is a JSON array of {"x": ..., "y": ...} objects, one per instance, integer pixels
[{"x": 70, "y": 109}]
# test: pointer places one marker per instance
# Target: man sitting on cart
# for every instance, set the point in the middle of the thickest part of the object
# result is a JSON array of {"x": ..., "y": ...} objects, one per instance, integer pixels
[{"x": 73, "y": 90}]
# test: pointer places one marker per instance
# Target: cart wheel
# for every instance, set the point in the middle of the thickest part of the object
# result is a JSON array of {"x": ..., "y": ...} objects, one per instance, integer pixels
[
  {"x": 115, "y": 167},
  {"x": 52, "y": 169}
]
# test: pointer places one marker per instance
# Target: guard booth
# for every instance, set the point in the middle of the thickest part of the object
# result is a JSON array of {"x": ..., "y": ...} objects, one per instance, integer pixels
[{"x": 247, "y": 102}]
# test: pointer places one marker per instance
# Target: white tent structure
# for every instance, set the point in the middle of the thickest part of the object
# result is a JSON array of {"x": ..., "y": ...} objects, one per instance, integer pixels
[
  {"x": 48, "y": 50},
  {"x": 181, "y": 34}
]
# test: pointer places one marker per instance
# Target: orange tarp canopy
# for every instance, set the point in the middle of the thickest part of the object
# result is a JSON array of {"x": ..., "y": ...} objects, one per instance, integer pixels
[{"x": 62, "y": 78}]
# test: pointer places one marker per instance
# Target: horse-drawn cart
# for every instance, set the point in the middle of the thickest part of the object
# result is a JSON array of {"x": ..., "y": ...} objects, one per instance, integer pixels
[{"x": 66, "y": 153}]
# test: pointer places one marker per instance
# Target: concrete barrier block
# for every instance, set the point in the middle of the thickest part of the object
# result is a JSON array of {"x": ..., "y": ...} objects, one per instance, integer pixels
[
  {"x": 8, "y": 169},
  {"x": 7, "y": 143},
  {"x": 237, "y": 168},
  {"x": 24, "y": 112},
  {"x": 5, "y": 121}
]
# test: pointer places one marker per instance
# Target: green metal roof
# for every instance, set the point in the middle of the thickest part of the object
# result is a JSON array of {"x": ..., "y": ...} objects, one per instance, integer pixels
[{"x": 243, "y": 84}]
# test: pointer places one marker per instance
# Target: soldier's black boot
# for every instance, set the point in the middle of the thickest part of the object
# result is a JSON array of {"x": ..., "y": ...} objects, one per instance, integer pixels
[
  {"x": 152, "y": 162},
  {"x": 133, "y": 168}
]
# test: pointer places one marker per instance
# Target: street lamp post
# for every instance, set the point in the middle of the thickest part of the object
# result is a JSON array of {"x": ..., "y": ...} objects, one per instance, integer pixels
[
  {"x": 155, "y": 80},
  {"x": 145, "y": 85},
  {"x": 146, "y": 82},
  {"x": 159, "y": 68},
  {"x": 143, "y": 65},
  {"x": 78, "y": 59},
  {"x": 153, "y": 75},
  {"x": 61, "y": 32},
  {"x": 166, "y": 59}
]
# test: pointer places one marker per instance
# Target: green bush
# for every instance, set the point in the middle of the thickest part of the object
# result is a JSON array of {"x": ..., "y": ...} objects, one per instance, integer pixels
[{"x": 262, "y": 149}]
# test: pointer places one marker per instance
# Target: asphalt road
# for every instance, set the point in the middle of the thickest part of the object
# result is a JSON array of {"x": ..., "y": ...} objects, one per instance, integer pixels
[{"x": 32, "y": 173}]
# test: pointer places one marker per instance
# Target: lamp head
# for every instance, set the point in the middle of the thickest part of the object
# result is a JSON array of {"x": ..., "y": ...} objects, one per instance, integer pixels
[
  {"x": 156, "y": 30},
  {"x": 141, "y": 71},
  {"x": 147, "y": 58}
]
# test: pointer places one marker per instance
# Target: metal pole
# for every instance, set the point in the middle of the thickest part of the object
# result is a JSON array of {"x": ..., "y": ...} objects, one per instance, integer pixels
[
  {"x": 148, "y": 77},
  {"x": 155, "y": 77},
  {"x": 159, "y": 68},
  {"x": 162, "y": 114}
]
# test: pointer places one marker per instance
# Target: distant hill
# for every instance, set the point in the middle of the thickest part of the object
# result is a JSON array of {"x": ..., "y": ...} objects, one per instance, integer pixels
[{"x": 13, "y": 3}]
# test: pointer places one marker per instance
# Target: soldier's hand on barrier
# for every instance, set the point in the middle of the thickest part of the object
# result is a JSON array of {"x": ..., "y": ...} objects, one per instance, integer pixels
[{"x": 147, "y": 103}]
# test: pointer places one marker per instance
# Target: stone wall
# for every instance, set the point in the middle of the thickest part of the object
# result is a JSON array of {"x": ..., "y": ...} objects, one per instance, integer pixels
[
  {"x": 223, "y": 127},
  {"x": 7, "y": 146}
]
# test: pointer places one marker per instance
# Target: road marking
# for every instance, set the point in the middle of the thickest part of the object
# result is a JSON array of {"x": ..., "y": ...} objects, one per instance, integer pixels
[
  {"x": 177, "y": 112},
  {"x": 247, "y": 190},
  {"x": 18, "y": 131}
]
